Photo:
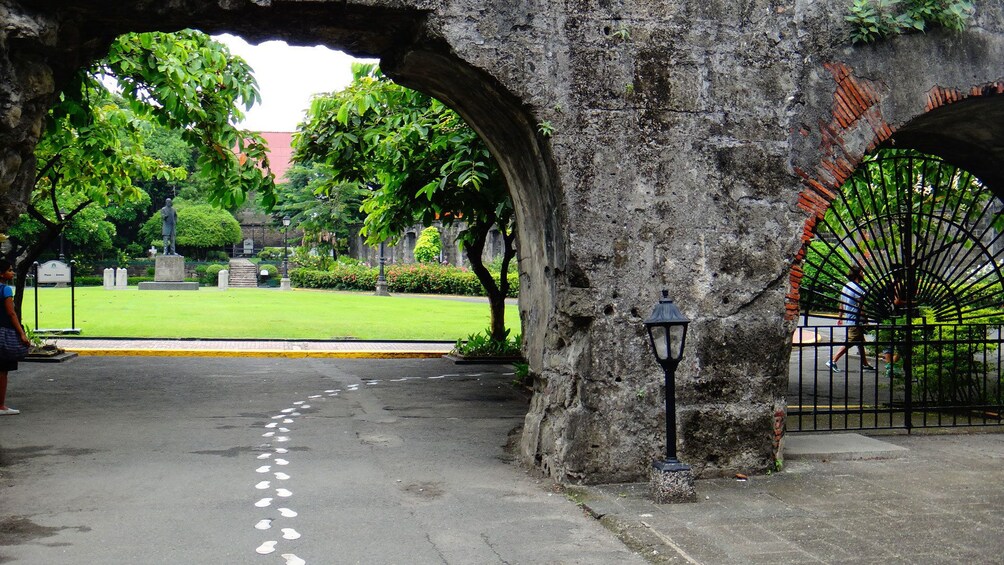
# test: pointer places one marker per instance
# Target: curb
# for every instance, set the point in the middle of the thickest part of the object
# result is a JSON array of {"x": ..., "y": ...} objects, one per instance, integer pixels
[{"x": 260, "y": 353}]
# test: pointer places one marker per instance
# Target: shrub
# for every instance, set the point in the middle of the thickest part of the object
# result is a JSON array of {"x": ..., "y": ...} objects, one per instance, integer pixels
[
  {"x": 211, "y": 274},
  {"x": 413, "y": 279},
  {"x": 482, "y": 345},
  {"x": 271, "y": 271},
  {"x": 428, "y": 246},
  {"x": 270, "y": 254}
]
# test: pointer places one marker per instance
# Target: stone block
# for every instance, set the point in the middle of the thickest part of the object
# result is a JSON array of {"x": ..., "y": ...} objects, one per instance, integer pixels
[
  {"x": 121, "y": 278},
  {"x": 109, "y": 279},
  {"x": 169, "y": 268},
  {"x": 675, "y": 485},
  {"x": 223, "y": 279},
  {"x": 168, "y": 285}
]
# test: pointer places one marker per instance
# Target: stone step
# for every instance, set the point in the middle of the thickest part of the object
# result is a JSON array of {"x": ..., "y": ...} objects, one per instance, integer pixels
[{"x": 243, "y": 274}]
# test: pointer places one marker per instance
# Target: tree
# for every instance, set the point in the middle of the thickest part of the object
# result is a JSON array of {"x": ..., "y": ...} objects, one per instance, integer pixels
[
  {"x": 428, "y": 246},
  {"x": 201, "y": 227},
  {"x": 419, "y": 162},
  {"x": 94, "y": 144},
  {"x": 326, "y": 211}
]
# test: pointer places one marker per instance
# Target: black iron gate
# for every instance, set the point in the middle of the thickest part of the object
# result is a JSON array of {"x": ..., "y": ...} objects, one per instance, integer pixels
[{"x": 928, "y": 238}]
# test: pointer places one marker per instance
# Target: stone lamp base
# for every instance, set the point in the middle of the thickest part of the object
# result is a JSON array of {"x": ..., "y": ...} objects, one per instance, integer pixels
[{"x": 672, "y": 482}]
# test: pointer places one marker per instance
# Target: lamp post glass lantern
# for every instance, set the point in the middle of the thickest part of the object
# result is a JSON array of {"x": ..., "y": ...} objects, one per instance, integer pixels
[
  {"x": 667, "y": 332},
  {"x": 285, "y": 247}
]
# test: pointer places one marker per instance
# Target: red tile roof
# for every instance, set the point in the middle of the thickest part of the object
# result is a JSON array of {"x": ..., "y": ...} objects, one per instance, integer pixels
[{"x": 280, "y": 152}]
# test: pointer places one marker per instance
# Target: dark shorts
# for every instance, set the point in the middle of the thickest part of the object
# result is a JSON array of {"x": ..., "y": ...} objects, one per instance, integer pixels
[
  {"x": 8, "y": 365},
  {"x": 855, "y": 334}
]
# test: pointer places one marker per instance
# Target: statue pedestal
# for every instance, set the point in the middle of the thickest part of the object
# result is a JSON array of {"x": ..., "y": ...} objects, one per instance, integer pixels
[{"x": 169, "y": 274}]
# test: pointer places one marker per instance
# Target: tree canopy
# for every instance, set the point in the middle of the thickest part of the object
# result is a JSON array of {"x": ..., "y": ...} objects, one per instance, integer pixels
[
  {"x": 417, "y": 161},
  {"x": 95, "y": 145}
]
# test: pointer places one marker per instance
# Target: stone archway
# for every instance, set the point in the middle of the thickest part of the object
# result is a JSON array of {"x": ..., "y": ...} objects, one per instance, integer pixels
[{"x": 688, "y": 145}]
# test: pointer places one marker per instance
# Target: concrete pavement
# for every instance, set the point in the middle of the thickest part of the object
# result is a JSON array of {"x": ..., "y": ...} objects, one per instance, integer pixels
[{"x": 407, "y": 467}]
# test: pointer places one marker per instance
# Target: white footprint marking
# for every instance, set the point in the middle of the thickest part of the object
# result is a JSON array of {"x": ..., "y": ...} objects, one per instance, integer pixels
[
  {"x": 298, "y": 402},
  {"x": 305, "y": 406},
  {"x": 262, "y": 485},
  {"x": 263, "y": 524},
  {"x": 314, "y": 396},
  {"x": 292, "y": 559},
  {"x": 277, "y": 416},
  {"x": 281, "y": 450},
  {"x": 330, "y": 390},
  {"x": 281, "y": 462},
  {"x": 263, "y": 469},
  {"x": 268, "y": 434},
  {"x": 295, "y": 414},
  {"x": 287, "y": 410},
  {"x": 287, "y": 513},
  {"x": 282, "y": 438},
  {"x": 288, "y": 421},
  {"x": 264, "y": 456},
  {"x": 264, "y": 503},
  {"x": 266, "y": 548},
  {"x": 290, "y": 533},
  {"x": 284, "y": 430},
  {"x": 282, "y": 476},
  {"x": 283, "y": 492}
]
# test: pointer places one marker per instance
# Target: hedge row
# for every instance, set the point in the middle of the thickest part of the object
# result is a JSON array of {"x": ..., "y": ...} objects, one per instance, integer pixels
[{"x": 412, "y": 279}]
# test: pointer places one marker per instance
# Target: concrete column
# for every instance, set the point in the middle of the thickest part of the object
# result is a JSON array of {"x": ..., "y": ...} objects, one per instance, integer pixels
[
  {"x": 121, "y": 278},
  {"x": 223, "y": 279},
  {"x": 109, "y": 282}
]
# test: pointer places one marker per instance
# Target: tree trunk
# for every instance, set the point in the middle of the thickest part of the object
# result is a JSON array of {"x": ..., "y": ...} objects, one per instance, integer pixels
[{"x": 496, "y": 296}]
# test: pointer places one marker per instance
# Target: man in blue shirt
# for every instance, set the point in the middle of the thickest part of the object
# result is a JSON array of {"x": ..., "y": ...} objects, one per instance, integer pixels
[{"x": 850, "y": 315}]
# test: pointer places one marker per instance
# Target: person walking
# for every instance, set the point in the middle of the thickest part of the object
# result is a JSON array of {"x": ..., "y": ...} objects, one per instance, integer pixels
[
  {"x": 851, "y": 296},
  {"x": 8, "y": 319}
]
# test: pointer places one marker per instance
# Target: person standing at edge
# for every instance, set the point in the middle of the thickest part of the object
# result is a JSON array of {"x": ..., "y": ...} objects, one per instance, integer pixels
[
  {"x": 850, "y": 311},
  {"x": 10, "y": 320},
  {"x": 170, "y": 218}
]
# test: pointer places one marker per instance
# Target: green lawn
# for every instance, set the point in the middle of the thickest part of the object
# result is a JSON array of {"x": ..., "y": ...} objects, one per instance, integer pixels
[{"x": 259, "y": 313}]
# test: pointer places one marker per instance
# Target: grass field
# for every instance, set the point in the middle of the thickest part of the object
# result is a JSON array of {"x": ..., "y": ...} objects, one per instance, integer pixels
[{"x": 259, "y": 313}]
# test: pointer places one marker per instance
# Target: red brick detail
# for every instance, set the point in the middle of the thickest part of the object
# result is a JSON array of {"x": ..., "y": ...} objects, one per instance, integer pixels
[{"x": 855, "y": 106}]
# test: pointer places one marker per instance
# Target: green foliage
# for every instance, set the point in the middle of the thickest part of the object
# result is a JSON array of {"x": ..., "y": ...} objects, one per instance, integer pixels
[
  {"x": 412, "y": 279},
  {"x": 417, "y": 163},
  {"x": 872, "y": 20},
  {"x": 271, "y": 254},
  {"x": 428, "y": 246},
  {"x": 210, "y": 274},
  {"x": 308, "y": 258},
  {"x": 271, "y": 271},
  {"x": 483, "y": 345},
  {"x": 325, "y": 210},
  {"x": 523, "y": 377},
  {"x": 948, "y": 361}
]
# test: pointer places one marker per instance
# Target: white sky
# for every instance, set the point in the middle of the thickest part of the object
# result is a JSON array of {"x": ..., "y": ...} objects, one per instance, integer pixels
[{"x": 287, "y": 78}]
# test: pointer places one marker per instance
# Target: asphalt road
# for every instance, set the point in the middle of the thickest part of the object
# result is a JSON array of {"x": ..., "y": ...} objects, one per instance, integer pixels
[{"x": 148, "y": 460}]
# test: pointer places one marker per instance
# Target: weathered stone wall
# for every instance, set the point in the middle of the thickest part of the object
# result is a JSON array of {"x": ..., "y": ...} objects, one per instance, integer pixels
[{"x": 690, "y": 145}]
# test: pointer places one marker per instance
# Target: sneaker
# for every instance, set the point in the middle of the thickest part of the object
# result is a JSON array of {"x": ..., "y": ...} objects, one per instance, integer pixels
[
  {"x": 867, "y": 367},
  {"x": 833, "y": 367},
  {"x": 9, "y": 412}
]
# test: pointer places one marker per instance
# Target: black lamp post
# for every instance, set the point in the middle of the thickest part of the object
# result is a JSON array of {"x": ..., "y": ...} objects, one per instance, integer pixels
[
  {"x": 667, "y": 331},
  {"x": 62, "y": 236},
  {"x": 381, "y": 284},
  {"x": 285, "y": 247}
]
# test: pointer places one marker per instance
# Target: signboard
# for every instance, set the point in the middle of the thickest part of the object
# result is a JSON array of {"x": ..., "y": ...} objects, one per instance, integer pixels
[
  {"x": 249, "y": 246},
  {"x": 54, "y": 272}
]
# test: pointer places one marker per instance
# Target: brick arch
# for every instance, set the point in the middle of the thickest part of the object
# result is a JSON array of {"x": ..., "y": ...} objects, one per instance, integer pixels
[{"x": 858, "y": 127}]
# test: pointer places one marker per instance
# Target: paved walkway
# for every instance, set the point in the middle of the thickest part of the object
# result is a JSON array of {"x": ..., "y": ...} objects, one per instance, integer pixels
[{"x": 841, "y": 498}]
